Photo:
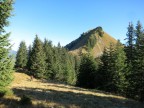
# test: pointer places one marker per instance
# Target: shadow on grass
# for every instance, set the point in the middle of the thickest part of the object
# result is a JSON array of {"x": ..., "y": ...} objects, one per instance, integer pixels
[
  {"x": 14, "y": 103},
  {"x": 67, "y": 99},
  {"x": 56, "y": 84}
]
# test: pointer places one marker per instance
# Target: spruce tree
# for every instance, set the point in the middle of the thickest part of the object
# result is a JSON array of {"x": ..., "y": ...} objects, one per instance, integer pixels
[
  {"x": 130, "y": 49},
  {"x": 130, "y": 44},
  {"x": 102, "y": 75},
  {"x": 49, "y": 59},
  {"x": 87, "y": 72},
  {"x": 111, "y": 76},
  {"x": 57, "y": 66},
  {"x": 38, "y": 64},
  {"x": 6, "y": 61},
  {"x": 138, "y": 73},
  {"x": 29, "y": 57},
  {"x": 68, "y": 67},
  {"x": 120, "y": 69},
  {"x": 21, "y": 57},
  {"x": 109, "y": 57}
]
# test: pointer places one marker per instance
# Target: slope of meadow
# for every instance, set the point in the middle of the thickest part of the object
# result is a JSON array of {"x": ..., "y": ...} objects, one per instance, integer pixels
[{"x": 47, "y": 94}]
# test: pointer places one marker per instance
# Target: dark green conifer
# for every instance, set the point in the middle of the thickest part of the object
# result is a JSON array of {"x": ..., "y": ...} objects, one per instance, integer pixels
[
  {"x": 38, "y": 64},
  {"x": 6, "y": 61},
  {"x": 21, "y": 57},
  {"x": 138, "y": 71},
  {"x": 29, "y": 57},
  {"x": 49, "y": 59},
  {"x": 87, "y": 72}
]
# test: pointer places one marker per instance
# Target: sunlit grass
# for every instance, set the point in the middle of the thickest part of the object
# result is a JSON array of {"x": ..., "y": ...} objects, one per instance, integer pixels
[{"x": 48, "y": 94}]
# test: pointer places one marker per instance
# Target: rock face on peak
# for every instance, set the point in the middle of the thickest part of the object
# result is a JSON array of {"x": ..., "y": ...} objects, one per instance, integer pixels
[{"x": 93, "y": 41}]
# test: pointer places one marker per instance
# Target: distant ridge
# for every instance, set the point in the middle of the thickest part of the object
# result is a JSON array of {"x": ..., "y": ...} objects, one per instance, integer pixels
[
  {"x": 93, "y": 41},
  {"x": 12, "y": 52}
]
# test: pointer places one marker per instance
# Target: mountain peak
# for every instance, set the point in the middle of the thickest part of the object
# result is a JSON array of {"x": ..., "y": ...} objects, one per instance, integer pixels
[{"x": 93, "y": 41}]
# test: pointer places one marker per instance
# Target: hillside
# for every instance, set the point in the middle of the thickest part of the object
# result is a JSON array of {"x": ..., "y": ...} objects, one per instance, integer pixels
[
  {"x": 46, "y": 94},
  {"x": 93, "y": 41}
]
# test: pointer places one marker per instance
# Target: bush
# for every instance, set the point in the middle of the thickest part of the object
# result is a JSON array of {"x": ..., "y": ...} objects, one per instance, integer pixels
[
  {"x": 2, "y": 93},
  {"x": 9, "y": 92},
  {"x": 25, "y": 100},
  {"x": 5, "y": 91}
]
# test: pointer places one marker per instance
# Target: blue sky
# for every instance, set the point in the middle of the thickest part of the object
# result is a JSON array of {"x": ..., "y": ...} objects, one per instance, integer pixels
[{"x": 64, "y": 20}]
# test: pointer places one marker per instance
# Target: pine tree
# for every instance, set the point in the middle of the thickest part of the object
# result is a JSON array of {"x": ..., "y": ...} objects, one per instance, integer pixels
[
  {"x": 130, "y": 44},
  {"x": 102, "y": 77},
  {"x": 120, "y": 69},
  {"x": 22, "y": 57},
  {"x": 108, "y": 64},
  {"x": 138, "y": 73},
  {"x": 111, "y": 76},
  {"x": 57, "y": 66},
  {"x": 29, "y": 57},
  {"x": 6, "y": 61},
  {"x": 68, "y": 67},
  {"x": 49, "y": 59},
  {"x": 130, "y": 49},
  {"x": 38, "y": 64},
  {"x": 87, "y": 72}
]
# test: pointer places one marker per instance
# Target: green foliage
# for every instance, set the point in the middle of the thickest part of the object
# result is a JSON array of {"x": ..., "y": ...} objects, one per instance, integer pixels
[
  {"x": 5, "y": 91},
  {"x": 91, "y": 42},
  {"x": 6, "y": 61},
  {"x": 92, "y": 37},
  {"x": 38, "y": 64},
  {"x": 120, "y": 68},
  {"x": 64, "y": 66},
  {"x": 111, "y": 74},
  {"x": 136, "y": 74},
  {"x": 5, "y": 13},
  {"x": 139, "y": 70},
  {"x": 130, "y": 44},
  {"x": 2, "y": 92},
  {"x": 21, "y": 57},
  {"x": 135, "y": 59},
  {"x": 25, "y": 100},
  {"x": 49, "y": 59},
  {"x": 87, "y": 72},
  {"x": 29, "y": 63}
]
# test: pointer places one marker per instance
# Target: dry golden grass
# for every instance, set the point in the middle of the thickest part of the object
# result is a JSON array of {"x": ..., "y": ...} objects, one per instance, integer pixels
[{"x": 46, "y": 94}]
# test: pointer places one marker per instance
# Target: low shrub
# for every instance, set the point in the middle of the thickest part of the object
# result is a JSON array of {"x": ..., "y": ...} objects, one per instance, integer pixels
[
  {"x": 5, "y": 91},
  {"x": 25, "y": 100}
]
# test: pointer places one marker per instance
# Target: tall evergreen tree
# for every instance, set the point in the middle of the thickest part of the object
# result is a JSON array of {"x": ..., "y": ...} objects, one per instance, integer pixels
[
  {"x": 38, "y": 64},
  {"x": 108, "y": 66},
  {"x": 49, "y": 59},
  {"x": 6, "y": 62},
  {"x": 68, "y": 67},
  {"x": 22, "y": 57},
  {"x": 138, "y": 73},
  {"x": 130, "y": 44},
  {"x": 87, "y": 72},
  {"x": 29, "y": 57},
  {"x": 130, "y": 49},
  {"x": 102, "y": 75},
  {"x": 111, "y": 76},
  {"x": 120, "y": 68}
]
